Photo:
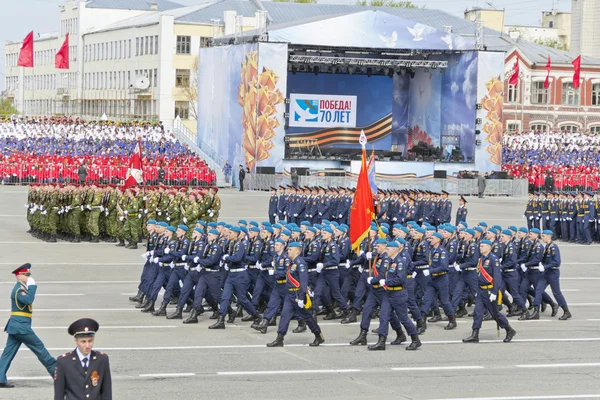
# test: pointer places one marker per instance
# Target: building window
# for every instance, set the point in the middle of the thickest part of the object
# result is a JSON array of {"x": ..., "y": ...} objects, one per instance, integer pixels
[
  {"x": 156, "y": 44},
  {"x": 146, "y": 45},
  {"x": 513, "y": 94},
  {"x": 595, "y": 130},
  {"x": 155, "y": 77},
  {"x": 539, "y": 128},
  {"x": 513, "y": 127},
  {"x": 204, "y": 41},
  {"x": 539, "y": 94},
  {"x": 596, "y": 94},
  {"x": 183, "y": 44},
  {"x": 182, "y": 109},
  {"x": 182, "y": 78},
  {"x": 569, "y": 128},
  {"x": 137, "y": 46},
  {"x": 570, "y": 95}
]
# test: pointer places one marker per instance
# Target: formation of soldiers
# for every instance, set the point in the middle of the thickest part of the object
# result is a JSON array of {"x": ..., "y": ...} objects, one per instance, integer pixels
[
  {"x": 306, "y": 269},
  {"x": 571, "y": 216},
  {"x": 109, "y": 213}
]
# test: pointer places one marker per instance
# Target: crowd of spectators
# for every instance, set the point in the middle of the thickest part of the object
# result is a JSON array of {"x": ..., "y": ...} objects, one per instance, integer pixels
[
  {"x": 568, "y": 160},
  {"x": 41, "y": 149}
]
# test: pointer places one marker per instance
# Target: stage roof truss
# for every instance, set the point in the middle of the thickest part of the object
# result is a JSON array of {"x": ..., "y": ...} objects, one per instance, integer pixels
[{"x": 366, "y": 62}]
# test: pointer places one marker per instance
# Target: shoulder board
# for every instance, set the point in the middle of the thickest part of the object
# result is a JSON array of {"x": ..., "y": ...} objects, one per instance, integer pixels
[
  {"x": 101, "y": 353},
  {"x": 63, "y": 355}
]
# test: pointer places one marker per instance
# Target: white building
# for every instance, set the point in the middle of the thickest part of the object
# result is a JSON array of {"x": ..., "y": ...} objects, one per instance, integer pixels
[{"x": 585, "y": 31}]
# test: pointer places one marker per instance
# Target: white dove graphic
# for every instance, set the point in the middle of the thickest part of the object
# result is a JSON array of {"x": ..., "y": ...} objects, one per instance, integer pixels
[
  {"x": 389, "y": 41},
  {"x": 448, "y": 40},
  {"x": 304, "y": 115},
  {"x": 416, "y": 32}
]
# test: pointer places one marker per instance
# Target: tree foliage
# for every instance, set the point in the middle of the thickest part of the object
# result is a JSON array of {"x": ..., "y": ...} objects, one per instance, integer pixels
[{"x": 6, "y": 107}]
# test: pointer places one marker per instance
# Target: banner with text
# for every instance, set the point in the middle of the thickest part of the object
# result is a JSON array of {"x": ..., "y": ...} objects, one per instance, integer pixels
[{"x": 322, "y": 111}]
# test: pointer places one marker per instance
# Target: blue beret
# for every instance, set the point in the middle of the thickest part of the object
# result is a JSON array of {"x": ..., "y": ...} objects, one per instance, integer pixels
[
  {"x": 335, "y": 224},
  {"x": 507, "y": 232},
  {"x": 464, "y": 223},
  {"x": 228, "y": 226},
  {"x": 420, "y": 230},
  {"x": 280, "y": 241},
  {"x": 328, "y": 230},
  {"x": 470, "y": 231},
  {"x": 494, "y": 231},
  {"x": 535, "y": 230},
  {"x": 277, "y": 226},
  {"x": 253, "y": 223},
  {"x": 393, "y": 244},
  {"x": 318, "y": 226},
  {"x": 478, "y": 229},
  {"x": 221, "y": 223},
  {"x": 385, "y": 230},
  {"x": 304, "y": 223},
  {"x": 397, "y": 226},
  {"x": 163, "y": 224},
  {"x": 342, "y": 229},
  {"x": 293, "y": 225},
  {"x": 449, "y": 228},
  {"x": 374, "y": 226},
  {"x": 484, "y": 224},
  {"x": 431, "y": 228},
  {"x": 523, "y": 229},
  {"x": 268, "y": 229},
  {"x": 151, "y": 222},
  {"x": 296, "y": 229},
  {"x": 182, "y": 227},
  {"x": 547, "y": 232},
  {"x": 235, "y": 229},
  {"x": 498, "y": 227},
  {"x": 385, "y": 224},
  {"x": 427, "y": 224},
  {"x": 286, "y": 232},
  {"x": 411, "y": 223},
  {"x": 437, "y": 235},
  {"x": 254, "y": 229},
  {"x": 213, "y": 224},
  {"x": 381, "y": 241},
  {"x": 311, "y": 229},
  {"x": 244, "y": 229},
  {"x": 266, "y": 223},
  {"x": 289, "y": 226},
  {"x": 201, "y": 223},
  {"x": 404, "y": 229},
  {"x": 295, "y": 244},
  {"x": 401, "y": 241},
  {"x": 242, "y": 222},
  {"x": 325, "y": 222},
  {"x": 513, "y": 228},
  {"x": 345, "y": 226},
  {"x": 171, "y": 228},
  {"x": 200, "y": 230},
  {"x": 488, "y": 242}
]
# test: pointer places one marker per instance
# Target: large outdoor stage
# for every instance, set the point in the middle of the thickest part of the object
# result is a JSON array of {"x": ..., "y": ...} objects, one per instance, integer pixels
[{"x": 299, "y": 96}]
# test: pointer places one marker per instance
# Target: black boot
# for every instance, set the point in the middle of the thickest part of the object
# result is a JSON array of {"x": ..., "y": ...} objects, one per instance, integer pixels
[
  {"x": 534, "y": 315},
  {"x": 516, "y": 311},
  {"x": 436, "y": 316},
  {"x": 121, "y": 243},
  {"x": 273, "y": 321},
  {"x": 554, "y": 309},
  {"x": 300, "y": 328},
  {"x": 137, "y": 297},
  {"x": 330, "y": 314},
  {"x": 380, "y": 345},
  {"x": 149, "y": 307},
  {"x": 474, "y": 338},
  {"x": 566, "y": 315},
  {"x": 277, "y": 342},
  {"x": 214, "y": 315},
  {"x": 188, "y": 307},
  {"x": 220, "y": 324},
  {"x": 174, "y": 300},
  {"x": 263, "y": 326},
  {"x": 421, "y": 326},
  {"x": 143, "y": 303},
  {"x": 461, "y": 312},
  {"x": 544, "y": 306},
  {"x": 401, "y": 338},
  {"x": 451, "y": 324},
  {"x": 248, "y": 318},
  {"x": 193, "y": 318},
  {"x": 510, "y": 333},
  {"x": 318, "y": 340},
  {"x": 361, "y": 339},
  {"x": 132, "y": 246},
  {"x": 232, "y": 315},
  {"x": 350, "y": 317},
  {"x": 415, "y": 343},
  {"x": 94, "y": 239},
  {"x": 178, "y": 314},
  {"x": 487, "y": 316},
  {"x": 257, "y": 322},
  {"x": 52, "y": 239},
  {"x": 530, "y": 300},
  {"x": 162, "y": 311}
]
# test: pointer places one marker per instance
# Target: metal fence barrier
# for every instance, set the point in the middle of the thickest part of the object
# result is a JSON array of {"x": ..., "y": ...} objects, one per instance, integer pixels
[{"x": 494, "y": 187}]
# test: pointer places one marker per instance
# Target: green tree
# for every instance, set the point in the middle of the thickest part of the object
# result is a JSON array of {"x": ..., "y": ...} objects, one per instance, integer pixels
[
  {"x": 387, "y": 3},
  {"x": 551, "y": 43},
  {"x": 6, "y": 107}
]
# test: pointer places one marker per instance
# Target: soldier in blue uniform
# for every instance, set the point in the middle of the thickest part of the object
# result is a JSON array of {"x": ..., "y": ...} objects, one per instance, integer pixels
[
  {"x": 530, "y": 211},
  {"x": 465, "y": 265},
  {"x": 510, "y": 275},
  {"x": 295, "y": 301},
  {"x": 273, "y": 203},
  {"x": 150, "y": 245},
  {"x": 254, "y": 253},
  {"x": 395, "y": 299},
  {"x": 264, "y": 282},
  {"x": 323, "y": 207},
  {"x": 445, "y": 215},
  {"x": 461, "y": 212},
  {"x": 163, "y": 260},
  {"x": 329, "y": 276},
  {"x": 282, "y": 204},
  {"x": 489, "y": 280},
  {"x": 18, "y": 327},
  {"x": 160, "y": 242},
  {"x": 549, "y": 269}
]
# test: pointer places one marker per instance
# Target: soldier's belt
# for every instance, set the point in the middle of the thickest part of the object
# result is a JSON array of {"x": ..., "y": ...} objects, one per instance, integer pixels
[
  {"x": 293, "y": 289},
  {"x": 342, "y": 264},
  {"x": 377, "y": 287},
  {"x": 438, "y": 274},
  {"x": 211, "y": 270},
  {"x": 533, "y": 268},
  {"x": 508, "y": 270},
  {"x": 252, "y": 266},
  {"x": 329, "y": 268},
  {"x": 180, "y": 264},
  {"x": 237, "y": 269},
  {"x": 357, "y": 266},
  {"x": 20, "y": 314},
  {"x": 281, "y": 281},
  {"x": 392, "y": 288},
  {"x": 487, "y": 286},
  {"x": 422, "y": 266},
  {"x": 409, "y": 276},
  {"x": 311, "y": 270},
  {"x": 469, "y": 269}
]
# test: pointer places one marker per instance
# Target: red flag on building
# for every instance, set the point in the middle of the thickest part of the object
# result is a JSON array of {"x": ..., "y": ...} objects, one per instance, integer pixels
[
  {"x": 547, "y": 81},
  {"x": 577, "y": 65},
  {"x": 134, "y": 172},
  {"x": 61, "y": 60},
  {"x": 514, "y": 78},
  {"x": 26, "y": 53},
  {"x": 361, "y": 212}
]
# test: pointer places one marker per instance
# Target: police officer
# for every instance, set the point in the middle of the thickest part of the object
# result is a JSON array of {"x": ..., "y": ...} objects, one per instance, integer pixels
[
  {"x": 18, "y": 327},
  {"x": 83, "y": 373},
  {"x": 461, "y": 212}
]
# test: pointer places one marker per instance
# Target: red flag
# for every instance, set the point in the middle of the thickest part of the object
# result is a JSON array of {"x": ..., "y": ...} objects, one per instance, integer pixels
[
  {"x": 61, "y": 60},
  {"x": 577, "y": 64},
  {"x": 514, "y": 78},
  {"x": 134, "y": 172},
  {"x": 547, "y": 81},
  {"x": 26, "y": 54},
  {"x": 361, "y": 212}
]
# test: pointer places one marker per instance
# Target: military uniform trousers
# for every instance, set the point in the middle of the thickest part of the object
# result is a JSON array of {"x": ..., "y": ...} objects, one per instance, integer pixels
[
  {"x": 148, "y": 277},
  {"x": 331, "y": 278},
  {"x": 208, "y": 286},
  {"x": 421, "y": 286},
  {"x": 14, "y": 341},
  {"x": 236, "y": 283},
  {"x": 551, "y": 277},
  {"x": 290, "y": 310},
  {"x": 395, "y": 302},
  {"x": 466, "y": 283},
  {"x": 510, "y": 283},
  {"x": 164, "y": 273},
  {"x": 438, "y": 286},
  {"x": 361, "y": 290},
  {"x": 483, "y": 303},
  {"x": 411, "y": 301},
  {"x": 144, "y": 276},
  {"x": 375, "y": 299},
  {"x": 573, "y": 229},
  {"x": 349, "y": 283},
  {"x": 276, "y": 300},
  {"x": 178, "y": 274},
  {"x": 252, "y": 276},
  {"x": 531, "y": 278},
  {"x": 262, "y": 288}
]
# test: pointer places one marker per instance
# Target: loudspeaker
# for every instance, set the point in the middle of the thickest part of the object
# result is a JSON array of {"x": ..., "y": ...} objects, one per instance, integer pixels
[
  {"x": 501, "y": 175},
  {"x": 301, "y": 171},
  {"x": 439, "y": 174},
  {"x": 265, "y": 170}
]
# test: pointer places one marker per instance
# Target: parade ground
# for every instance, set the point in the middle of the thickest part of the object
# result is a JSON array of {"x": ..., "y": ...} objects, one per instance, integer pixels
[{"x": 153, "y": 358}]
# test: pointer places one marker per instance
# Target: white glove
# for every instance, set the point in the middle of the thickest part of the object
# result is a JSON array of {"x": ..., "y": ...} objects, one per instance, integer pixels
[
  {"x": 382, "y": 282},
  {"x": 426, "y": 272},
  {"x": 523, "y": 267},
  {"x": 145, "y": 255},
  {"x": 271, "y": 272},
  {"x": 183, "y": 257},
  {"x": 196, "y": 259},
  {"x": 186, "y": 267},
  {"x": 531, "y": 217},
  {"x": 414, "y": 274},
  {"x": 547, "y": 217},
  {"x": 30, "y": 282},
  {"x": 225, "y": 257},
  {"x": 361, "y": 253},
  {"x": 140, "y": 216},
  {"x": 226, "y": 267},
  {"x": 273, "y": 263},
  {"x": 106, "y": 213},
  {"x": 369, "y": 255},
  {"x": 320, "y": 213},
  {"x": 348, "y": 264},
  {"x": 319, "y": 267},
  {"x": 167, "y": 250},
  {"x": 275, "y": 214},
  {"x": 457, "y": 267},
  {"x": 198, "y": 268},
  {"x": 295, "y": 215},
  {"x": 151, "y": 253},
  {"x": 101, "y": 208},
  {"x": 285, "y": 213},
  {"x": 542, "y": 269},
  {"x": 310, "y": 216},
  {"x": 155, "y": 260},
  {"x": 360, "y": 269},
  {"x": 184, "y": 220},
  {"x": 168, "y": 218},
  {"x": 369, "y": 279},
  {"x": 145, "y": 211},
  {"x": 340, "y": 216},
  {"x": 172, "y": 265},
  {"x": 493, "y": 297},
  {"x": 159, "y": 213},
  {"x": 394, "y": 219},
  {"x": 26, "y": 205},
  {"x": 44, "y": 212},
  {"x": 121, "y": 218},
  {"x": 300, "y": 303},
  {"x": 211, "y": 215}
]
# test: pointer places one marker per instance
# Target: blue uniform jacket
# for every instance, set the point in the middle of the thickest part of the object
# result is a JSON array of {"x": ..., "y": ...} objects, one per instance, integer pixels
[
  {"x": 461, "y": 214},
  {"x": 344, "y": 247},
  {"x": 282, "y": 263},
  {"x": 273, "y": 205},
  {"x": 396, "y": 273},
  {"x": 237, "y": 254},
  {"x": 419, "y": 255},
  {"x": 438, "y": 260},
  {"x": 297, "y": 277},
  {"x": 492, "y": 266},
  {"x": 330, "y": 254},
  {"x": 312, "y": 253},
  {"x": 254, "y": 252},
  {"x": 509, "y": 257},
  {"x": 452, "y": 249},
  {"x": 268, "y": 253},
  {"x": 167, "y": 258},
  {"x": 21, "y": 301},
  {"x": 535, "y": 254},
  {"x": 551, "y": 257}
]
